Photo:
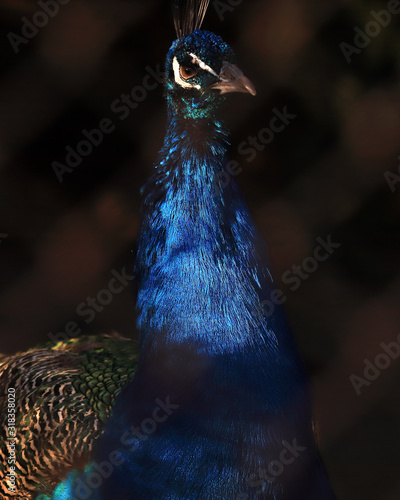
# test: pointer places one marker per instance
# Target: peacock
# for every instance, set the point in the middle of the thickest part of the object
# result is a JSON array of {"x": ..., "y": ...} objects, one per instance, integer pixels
[
  {"x": 219, "y": 406},
  {"x": 54, "y": 402}
]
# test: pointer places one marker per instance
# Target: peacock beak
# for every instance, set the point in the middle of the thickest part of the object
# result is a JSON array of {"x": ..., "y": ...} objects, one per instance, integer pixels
[{"x": 232, "y": 79}]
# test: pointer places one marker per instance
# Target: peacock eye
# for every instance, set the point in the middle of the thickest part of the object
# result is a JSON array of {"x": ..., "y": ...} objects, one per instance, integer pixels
[{"x": 187, "y": 73}]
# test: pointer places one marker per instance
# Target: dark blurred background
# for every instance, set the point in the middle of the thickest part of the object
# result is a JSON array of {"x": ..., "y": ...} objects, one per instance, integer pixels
[{"x": 322, "y": 176}]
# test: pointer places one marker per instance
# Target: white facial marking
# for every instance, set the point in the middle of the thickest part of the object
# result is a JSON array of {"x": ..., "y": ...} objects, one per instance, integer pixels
[
  {"x": 202, "y": 64},
  {"x": 179, "y": 80}
]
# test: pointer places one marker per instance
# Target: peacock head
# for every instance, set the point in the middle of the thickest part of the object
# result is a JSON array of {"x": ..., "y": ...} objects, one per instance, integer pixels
[{"x": 201, "y": 68}]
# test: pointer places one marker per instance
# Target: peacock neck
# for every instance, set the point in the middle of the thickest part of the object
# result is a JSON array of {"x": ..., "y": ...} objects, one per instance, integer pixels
[
  {"x": 199, "y": 275},
  {"x": 194, "y": 146}
]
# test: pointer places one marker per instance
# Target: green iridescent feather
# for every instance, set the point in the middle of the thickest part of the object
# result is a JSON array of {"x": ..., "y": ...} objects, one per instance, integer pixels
[{"x": 64, "y": 393}]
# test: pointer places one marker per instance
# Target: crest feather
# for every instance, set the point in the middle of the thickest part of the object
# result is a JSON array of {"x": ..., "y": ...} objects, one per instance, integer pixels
[{"x": 188, "y": 15}]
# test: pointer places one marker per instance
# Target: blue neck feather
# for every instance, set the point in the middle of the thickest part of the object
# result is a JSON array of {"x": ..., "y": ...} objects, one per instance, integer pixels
[{"x": 200, "y": 277}]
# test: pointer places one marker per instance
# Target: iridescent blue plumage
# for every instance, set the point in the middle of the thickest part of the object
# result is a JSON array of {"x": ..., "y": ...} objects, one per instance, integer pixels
[{"x": 220, "y": 391}]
